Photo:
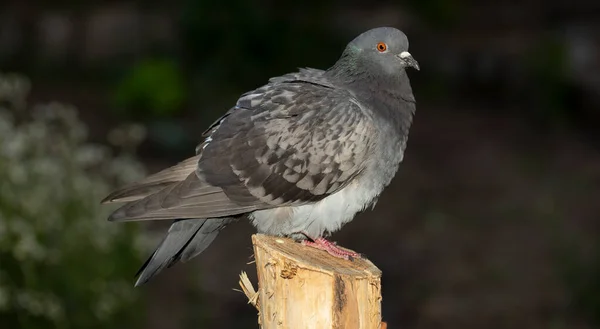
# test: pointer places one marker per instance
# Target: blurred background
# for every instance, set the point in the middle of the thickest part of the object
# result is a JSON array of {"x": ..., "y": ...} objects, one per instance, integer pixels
[{"x": 492, "y": 221}]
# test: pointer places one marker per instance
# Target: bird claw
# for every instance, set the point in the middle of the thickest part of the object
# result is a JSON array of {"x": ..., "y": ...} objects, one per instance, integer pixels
[{"x": 331, "y": 248}]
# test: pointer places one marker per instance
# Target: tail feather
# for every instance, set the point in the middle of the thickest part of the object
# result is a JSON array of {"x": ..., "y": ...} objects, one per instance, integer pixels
[{"x": 185, "y": 239}]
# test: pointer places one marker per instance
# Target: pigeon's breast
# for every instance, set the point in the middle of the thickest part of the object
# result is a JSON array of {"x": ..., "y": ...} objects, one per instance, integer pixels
[{"x": 320, "y": 218}]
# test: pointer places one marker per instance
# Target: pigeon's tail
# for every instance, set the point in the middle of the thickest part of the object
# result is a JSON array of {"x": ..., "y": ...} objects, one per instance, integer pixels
[{"x": 186, "y": 238}]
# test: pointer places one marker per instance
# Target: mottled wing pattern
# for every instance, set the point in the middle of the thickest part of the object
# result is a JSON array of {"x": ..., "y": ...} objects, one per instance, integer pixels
[
  {"x": 290, "y": 142},
  {"x": 295, "y": 140}
]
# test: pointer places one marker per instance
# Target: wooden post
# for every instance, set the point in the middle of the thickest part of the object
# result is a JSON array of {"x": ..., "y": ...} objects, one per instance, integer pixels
[{"x": 302, "y": 287}]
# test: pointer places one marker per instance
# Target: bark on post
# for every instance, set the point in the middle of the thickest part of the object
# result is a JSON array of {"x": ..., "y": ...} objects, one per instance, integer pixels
[{"x": 301, "y": 287}]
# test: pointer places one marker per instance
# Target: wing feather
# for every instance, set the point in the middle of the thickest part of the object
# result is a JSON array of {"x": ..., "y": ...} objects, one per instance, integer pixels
[
  {"x": 186, "y": 199},
  {"x": 153, "y": 183}
]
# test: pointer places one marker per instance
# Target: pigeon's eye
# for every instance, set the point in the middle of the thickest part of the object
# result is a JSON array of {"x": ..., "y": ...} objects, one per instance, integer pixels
[{"x": 381, "y": 47}]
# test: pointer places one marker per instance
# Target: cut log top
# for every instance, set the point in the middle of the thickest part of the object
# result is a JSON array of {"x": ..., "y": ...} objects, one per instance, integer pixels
[
  {"x": 314, "y": 259},
  {"x": 302, "y": 287}
]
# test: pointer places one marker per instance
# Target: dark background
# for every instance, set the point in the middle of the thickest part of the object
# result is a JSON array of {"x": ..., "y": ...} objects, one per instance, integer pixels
[{"x": 491, "y": 222}]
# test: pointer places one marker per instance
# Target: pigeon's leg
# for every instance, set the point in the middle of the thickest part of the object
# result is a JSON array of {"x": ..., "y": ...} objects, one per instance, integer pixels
[{"x": 331, "y": 248}]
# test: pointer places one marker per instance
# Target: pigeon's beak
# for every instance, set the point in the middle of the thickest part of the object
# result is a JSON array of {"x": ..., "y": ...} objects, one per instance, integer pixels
[{"x": 408, "y": 60}]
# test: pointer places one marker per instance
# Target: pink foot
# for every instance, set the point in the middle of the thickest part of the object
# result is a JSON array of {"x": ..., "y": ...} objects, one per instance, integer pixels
[{"x": 331, "y": 248}]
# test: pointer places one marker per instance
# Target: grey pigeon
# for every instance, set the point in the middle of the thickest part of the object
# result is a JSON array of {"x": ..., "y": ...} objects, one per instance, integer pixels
[{"x": 299, "y": 156}]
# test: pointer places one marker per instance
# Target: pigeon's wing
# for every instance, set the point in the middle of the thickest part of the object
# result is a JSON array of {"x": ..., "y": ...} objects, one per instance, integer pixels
[
  {"x": 293, "y": 142},
  {"x": 154, "y": 183},
  {"x": 288, "y": 143},
  {"x": 190, "y": 198}
]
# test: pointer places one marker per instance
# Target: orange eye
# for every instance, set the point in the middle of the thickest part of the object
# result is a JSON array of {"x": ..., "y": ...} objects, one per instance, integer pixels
[{"x": 381, "y": 47}]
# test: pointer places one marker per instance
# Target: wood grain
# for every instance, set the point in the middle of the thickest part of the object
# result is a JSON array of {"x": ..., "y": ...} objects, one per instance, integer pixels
[{"x": 302, "y": 287}]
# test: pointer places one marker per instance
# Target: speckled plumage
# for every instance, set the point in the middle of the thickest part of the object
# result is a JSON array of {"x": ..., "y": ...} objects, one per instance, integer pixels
[{"x": 300, "y": 156}]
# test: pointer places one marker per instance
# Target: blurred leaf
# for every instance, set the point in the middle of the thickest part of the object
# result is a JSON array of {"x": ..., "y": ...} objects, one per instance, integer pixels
[
  {"x": 63, "y": 265},
  {"x": 153, "y": 87}
]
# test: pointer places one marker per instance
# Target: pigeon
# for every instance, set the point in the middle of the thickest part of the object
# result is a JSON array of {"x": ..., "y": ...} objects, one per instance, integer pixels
[{"x": 299, "y": 156}]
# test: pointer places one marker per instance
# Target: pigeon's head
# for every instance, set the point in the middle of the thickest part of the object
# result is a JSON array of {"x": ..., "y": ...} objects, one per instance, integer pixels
[{"x": 383, "y": 50}]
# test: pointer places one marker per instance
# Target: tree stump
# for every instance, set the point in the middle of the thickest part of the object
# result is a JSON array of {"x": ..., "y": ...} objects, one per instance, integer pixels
[{"x": 302, "y": 287}]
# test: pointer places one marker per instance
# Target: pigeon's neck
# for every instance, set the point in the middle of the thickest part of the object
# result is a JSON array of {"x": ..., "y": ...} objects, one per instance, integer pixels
[{"x": 391, "y": 96}]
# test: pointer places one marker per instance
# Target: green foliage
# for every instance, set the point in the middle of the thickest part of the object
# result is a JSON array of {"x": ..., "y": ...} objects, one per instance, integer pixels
[
  {"x": 153, "y": 87},
  {"x": 62, "y": 264}
]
